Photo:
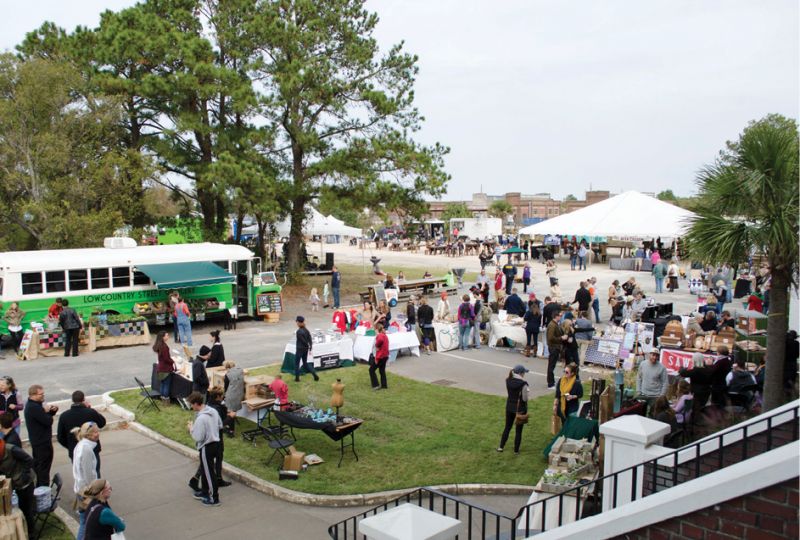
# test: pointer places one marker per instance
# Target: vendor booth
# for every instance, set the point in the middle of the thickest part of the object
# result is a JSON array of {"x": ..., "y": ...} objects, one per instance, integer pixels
[
  {"x": 398, "y": 342},
  {"x": 338, "y": 352},
  {"x": 630, "y": 216}
]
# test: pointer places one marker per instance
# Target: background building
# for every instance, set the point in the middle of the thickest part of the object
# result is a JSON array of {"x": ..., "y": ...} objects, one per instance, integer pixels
[{"x": 527, "y": 209}]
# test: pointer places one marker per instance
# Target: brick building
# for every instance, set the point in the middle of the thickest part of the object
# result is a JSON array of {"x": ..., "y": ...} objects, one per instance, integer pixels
[{"x": 526, "y": 208}]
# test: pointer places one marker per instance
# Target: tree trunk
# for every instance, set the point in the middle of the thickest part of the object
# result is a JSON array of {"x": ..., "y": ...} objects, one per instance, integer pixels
[
  {"x": 298, "y": 215},
  {"x": 261, "y": 251},
  {"x": 237, "y": 237},
  {"x": 777, "y": 326}
]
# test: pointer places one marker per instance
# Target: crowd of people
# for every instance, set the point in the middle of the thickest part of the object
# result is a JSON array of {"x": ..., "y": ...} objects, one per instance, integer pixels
[{"x": 78, "y": 432}]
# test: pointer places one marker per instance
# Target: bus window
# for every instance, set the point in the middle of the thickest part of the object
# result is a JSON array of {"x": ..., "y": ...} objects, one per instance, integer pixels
[
  {"x": 222, "y": 264},
  {"x": 31, "y": 283},
  {"x": 100, "y": 278},
  {"x": 56, "y": 281},
  {"x": 78, "y": 280},
  {"x": 121, "y": 276},
  {"x": 140, "y": 278}
]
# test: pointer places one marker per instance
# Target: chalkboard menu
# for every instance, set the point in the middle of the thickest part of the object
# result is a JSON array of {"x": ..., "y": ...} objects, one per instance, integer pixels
[{"x": 269, "y": 303}]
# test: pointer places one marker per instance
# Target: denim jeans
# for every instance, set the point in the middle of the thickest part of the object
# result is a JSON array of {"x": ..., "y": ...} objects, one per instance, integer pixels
[
  {"x": 81, "y": 525},
  {"x": 596, "y": 309},
  {"x": 660, "y": 285},
  {"x": 573, "y": 259},
  {"x": 165, "y": 385},
  {"x": 581, "y": 263},
  {"x": 463, "y": 336},
  {"x": 476, "y": 335},
  {"x": 185, "y": 331},
  {"x": 336, "y": 297}
]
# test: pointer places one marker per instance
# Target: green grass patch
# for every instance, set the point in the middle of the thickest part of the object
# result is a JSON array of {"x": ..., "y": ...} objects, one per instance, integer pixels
[
  {"x": 414, "y": 434},
  {"x": 56, "y": 530}
]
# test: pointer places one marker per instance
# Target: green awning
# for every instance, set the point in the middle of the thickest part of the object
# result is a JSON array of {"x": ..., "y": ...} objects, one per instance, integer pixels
[{"x": 188, "y": 274}]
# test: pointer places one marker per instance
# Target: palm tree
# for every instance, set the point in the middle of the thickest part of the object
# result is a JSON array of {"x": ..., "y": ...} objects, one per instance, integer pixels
[{"x": 749, "y": 204}]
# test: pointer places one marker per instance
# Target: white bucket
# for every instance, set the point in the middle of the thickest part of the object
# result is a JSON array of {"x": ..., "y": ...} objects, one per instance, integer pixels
[{"x": 42, "y": 496}]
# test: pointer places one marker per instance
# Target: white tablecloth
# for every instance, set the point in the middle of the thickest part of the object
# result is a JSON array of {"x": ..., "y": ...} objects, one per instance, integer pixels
[
  {"x": 343, "y": 347},
  {"x": 398, "y": 341},
  {"x": 512, "y": 332},
  {"x": 446, "y": 335}
]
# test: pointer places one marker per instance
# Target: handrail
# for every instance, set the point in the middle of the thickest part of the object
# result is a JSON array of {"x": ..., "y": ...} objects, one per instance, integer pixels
[
  {"x": 491, "y": 523},
  {"x": 671, "y": 460},
  {"x": 425, "y": 497}
]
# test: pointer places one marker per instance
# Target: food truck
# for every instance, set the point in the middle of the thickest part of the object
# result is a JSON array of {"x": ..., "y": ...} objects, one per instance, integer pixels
[{"x": 121, "y": 278}]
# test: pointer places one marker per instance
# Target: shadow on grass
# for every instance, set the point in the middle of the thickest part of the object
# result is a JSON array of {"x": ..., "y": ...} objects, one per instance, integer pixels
[{"x": 414, "y": 434}]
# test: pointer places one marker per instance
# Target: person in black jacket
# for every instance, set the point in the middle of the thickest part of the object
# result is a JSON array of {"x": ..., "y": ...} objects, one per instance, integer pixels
[
  {"x": 78, "y": 414},
  {"x": 533, "y": 323},
  {"x": 302, "y": 349},
  {"x": 72, "y": 324},
  {"x": 199, "y": 375},
  {"x": 516, "y": 402},
  {"x": 215, "y": 356},
  {"x": 583, "y": 297},
  {"x": 17, "y": 465},
  {"x": 425, "y": 320},
  {"x": 39, "y": 421},
  {"x": 514, "y": 304}
]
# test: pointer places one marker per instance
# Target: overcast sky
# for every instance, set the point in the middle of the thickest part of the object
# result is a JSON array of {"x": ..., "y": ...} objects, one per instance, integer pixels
[{"x": 559, "y": 96}]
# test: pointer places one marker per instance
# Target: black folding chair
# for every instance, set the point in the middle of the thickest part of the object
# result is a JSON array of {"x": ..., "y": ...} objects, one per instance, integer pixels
[
  {"x": 44, "y": 516},
  {"x": 148, "y": 397},
  {"x": 278, "y": 443}
]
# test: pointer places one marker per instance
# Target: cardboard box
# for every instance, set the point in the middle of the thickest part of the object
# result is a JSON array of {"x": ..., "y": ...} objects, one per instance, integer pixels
[
  {"x": 256, "y": 386},
  {"x": 5, "y": 496},
  {"x": 294, "y": 461}
]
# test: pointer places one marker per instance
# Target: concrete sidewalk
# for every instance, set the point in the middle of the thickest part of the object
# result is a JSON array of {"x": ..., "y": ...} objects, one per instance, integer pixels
[{"x": 150, "y": 493}]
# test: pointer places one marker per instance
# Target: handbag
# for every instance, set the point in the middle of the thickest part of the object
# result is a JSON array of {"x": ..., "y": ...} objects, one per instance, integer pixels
[
  {"x": 521, "y": 418},
  {"x": 555, "y": 425}
]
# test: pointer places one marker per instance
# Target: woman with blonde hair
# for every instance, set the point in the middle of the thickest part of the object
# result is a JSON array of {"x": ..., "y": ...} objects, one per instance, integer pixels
[
  {"x": 84, "y": 465},
  {"x": 101, "y": 521},
  {"x": 234, "y": 389},
  {"x": 570, "y": 344}
]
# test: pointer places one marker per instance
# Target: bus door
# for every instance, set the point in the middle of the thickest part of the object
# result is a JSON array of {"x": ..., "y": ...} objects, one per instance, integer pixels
[
  {"x": 242, "y": 288},
  {"x": 255, "y": 272}
]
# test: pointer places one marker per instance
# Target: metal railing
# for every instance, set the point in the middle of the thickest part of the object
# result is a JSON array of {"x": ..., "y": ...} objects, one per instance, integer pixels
[
  {"x": 481, "y": 522},
  {"x": 627, "y": 485},
  {"x": 682, "y": 465}
]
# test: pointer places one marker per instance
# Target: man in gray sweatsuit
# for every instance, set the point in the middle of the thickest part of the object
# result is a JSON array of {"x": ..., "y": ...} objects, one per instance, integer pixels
[{"x": 205, "y": 432}]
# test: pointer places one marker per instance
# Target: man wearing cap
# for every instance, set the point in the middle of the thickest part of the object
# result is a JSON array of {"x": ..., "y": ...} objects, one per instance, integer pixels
[
  {"x": 516, "y": 402},
  {"x": 302, "y": 349}
]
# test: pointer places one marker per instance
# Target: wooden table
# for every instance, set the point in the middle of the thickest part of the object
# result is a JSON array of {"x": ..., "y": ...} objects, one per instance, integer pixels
[{"x": 13, "y": 526}]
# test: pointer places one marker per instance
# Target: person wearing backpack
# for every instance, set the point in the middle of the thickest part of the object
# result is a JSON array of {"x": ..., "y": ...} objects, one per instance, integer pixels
[{"x": 466, "y": 317}]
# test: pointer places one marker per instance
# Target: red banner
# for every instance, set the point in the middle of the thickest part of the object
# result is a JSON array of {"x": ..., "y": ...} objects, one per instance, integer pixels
[{"x": 675, "y": 360}]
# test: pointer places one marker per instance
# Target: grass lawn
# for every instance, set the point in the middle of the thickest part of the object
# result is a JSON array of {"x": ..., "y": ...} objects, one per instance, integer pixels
[
  {"x": 52, "y": 532},
  {"x": 354, "y": 279},
  {"x": 414, "y": 434}
]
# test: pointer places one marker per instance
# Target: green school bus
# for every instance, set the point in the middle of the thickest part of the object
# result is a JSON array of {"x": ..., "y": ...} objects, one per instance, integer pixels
[{"x": 123, "y": 278}]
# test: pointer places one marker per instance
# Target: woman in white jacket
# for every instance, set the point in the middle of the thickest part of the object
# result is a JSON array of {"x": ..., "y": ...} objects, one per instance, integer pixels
[{"x": 84, "y": 464}]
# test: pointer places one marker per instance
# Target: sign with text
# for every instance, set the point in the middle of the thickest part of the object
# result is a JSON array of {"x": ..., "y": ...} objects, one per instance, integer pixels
[{"x": 675, "y": 360}]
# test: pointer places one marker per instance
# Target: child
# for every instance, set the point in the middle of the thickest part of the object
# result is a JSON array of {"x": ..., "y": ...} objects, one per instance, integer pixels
[
  {"x": 325, "y": 293},
  {"x": 314, "y": 299}
]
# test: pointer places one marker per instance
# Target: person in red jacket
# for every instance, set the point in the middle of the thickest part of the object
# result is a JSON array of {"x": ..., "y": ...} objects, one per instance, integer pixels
[{"x": 381, "y": 357}]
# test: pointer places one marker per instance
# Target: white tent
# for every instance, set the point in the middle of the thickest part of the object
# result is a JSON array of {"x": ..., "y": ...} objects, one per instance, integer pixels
[
  {"x": 630, "y": 215},
  {"x": 314, "y": 225},
  {"x": 338, "y": 227}
]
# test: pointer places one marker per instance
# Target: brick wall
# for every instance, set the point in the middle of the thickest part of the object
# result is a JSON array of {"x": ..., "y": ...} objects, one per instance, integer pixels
[{"x": 768, "y": 514}]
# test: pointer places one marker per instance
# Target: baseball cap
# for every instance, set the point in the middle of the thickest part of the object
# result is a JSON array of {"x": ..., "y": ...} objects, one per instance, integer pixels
[
  {"x": 520, "y": 369},
  {"x": 300, "y": 318}
]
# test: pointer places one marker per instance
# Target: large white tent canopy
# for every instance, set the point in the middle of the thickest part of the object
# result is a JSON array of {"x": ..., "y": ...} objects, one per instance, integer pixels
[
  {"x": 630, "y": 215},
  {"x": 315, "y": 224}
]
